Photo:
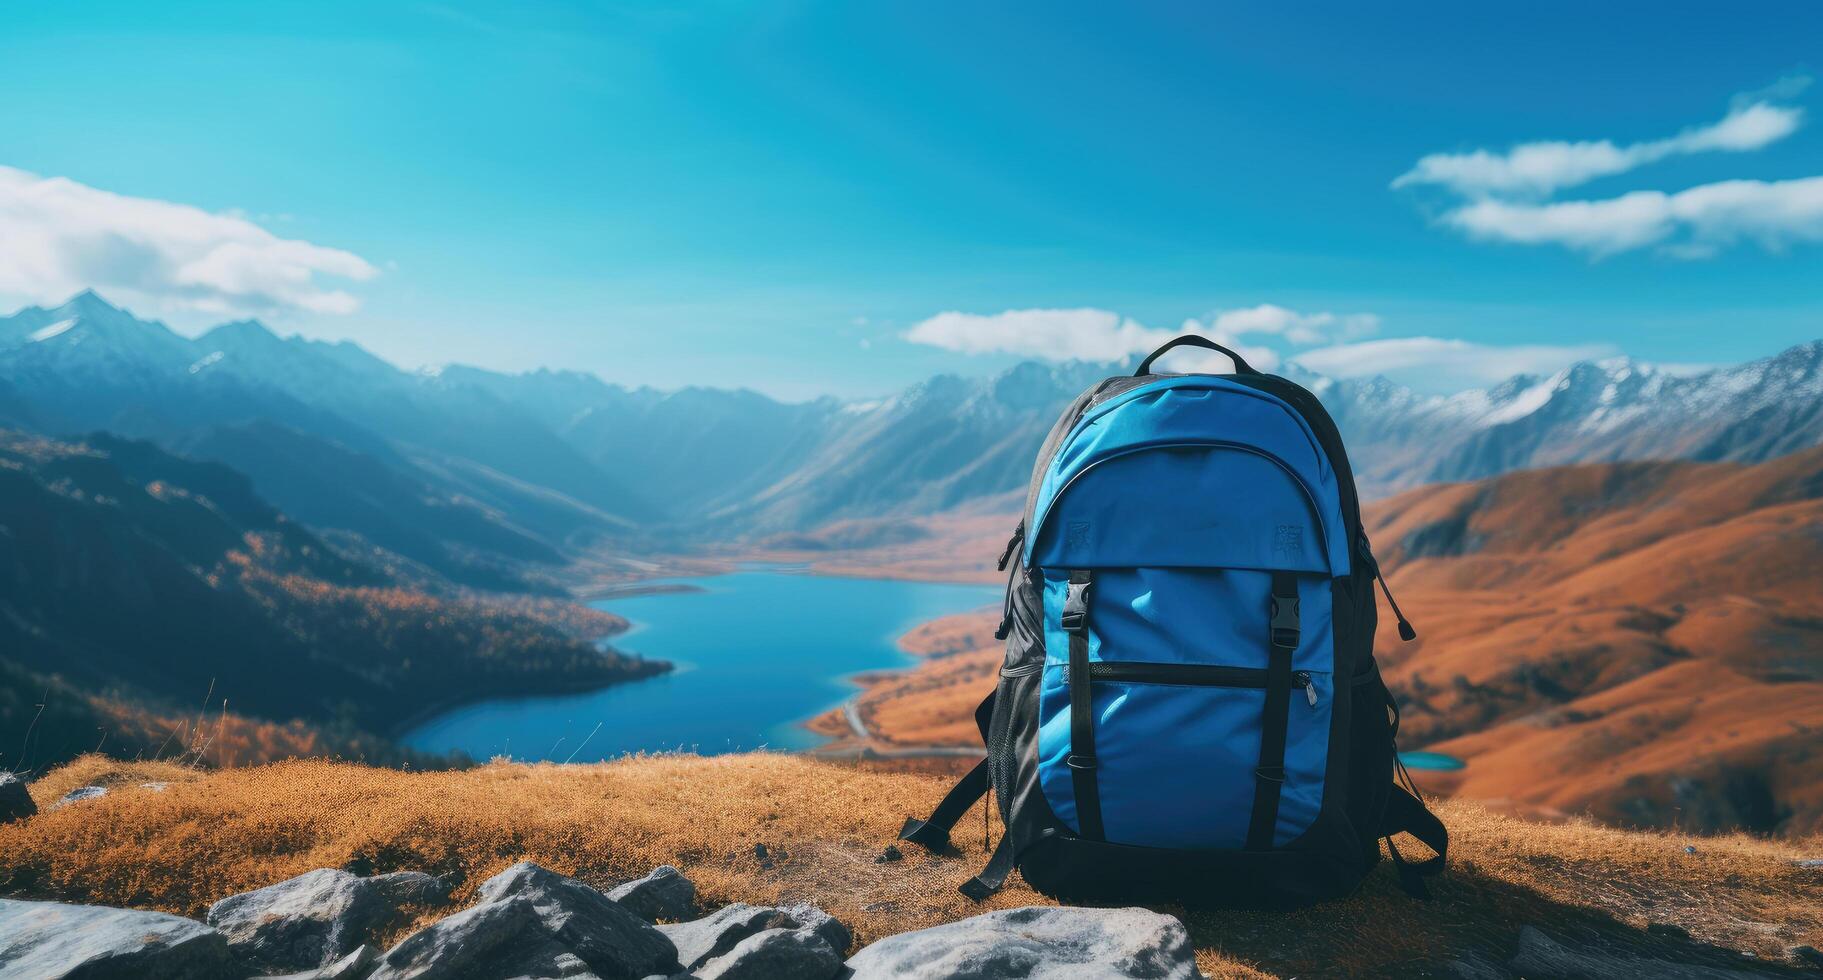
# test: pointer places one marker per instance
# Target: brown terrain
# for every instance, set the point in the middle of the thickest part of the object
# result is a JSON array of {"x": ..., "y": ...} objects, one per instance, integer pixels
[
  {"x": 954, "y": 547},
  {"x": 1640, "y": 642},
  {"x": 207, "y": 834}
]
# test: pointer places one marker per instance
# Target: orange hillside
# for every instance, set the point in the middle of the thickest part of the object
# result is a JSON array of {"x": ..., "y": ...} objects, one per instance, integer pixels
[{"x": 1641, "y": 641}]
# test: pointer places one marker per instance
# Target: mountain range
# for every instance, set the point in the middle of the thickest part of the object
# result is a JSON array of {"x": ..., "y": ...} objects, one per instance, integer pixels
[
  {"x": 495, "y": 480},
  {"x": 134, "y": 582}
]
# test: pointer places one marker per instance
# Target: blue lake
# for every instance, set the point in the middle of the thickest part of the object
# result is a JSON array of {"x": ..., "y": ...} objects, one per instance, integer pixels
[
  {"x": 1431, "y": 761},
  {"x": 757, "y": 653}
]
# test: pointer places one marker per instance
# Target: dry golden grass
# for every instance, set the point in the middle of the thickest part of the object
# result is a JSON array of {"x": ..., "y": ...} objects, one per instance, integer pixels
[{"x": 212, "y": 834}]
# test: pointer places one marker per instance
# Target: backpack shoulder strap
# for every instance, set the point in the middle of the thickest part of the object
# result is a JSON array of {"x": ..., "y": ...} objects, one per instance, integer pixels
[
  {"x": 1406, "y": 814},
  {"x": 933, "y": 834}
]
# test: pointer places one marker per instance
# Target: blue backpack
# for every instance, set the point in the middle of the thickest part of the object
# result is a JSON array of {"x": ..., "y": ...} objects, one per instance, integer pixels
[{"x": 1189, "y": 707}]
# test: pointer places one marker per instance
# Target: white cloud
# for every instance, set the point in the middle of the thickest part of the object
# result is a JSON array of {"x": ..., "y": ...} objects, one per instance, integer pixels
[
  {"x": 1441, "y": 364},
  {"x": 1542, "y": 168},
  {"x": 1054, "y": 335},
  {"x": 1302, "y": 329},
  {"x": 58, "y": 236},
  {"x": 1101, "y": 335},
  {"x": 1693, "y": 223}
]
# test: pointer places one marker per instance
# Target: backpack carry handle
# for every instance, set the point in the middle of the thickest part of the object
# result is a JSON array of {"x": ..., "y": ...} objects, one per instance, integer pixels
[{"x": 1192, "y": 340}]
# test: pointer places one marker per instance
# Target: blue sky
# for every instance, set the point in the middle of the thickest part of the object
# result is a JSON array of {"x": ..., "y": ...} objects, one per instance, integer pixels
[{"x": 812, "y": 198}]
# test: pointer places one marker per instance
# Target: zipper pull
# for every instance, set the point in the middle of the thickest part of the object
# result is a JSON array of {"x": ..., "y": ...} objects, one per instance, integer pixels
[
  {"x": 1302, "y": 679},
  {"x": 1406, "y": 632},
  {"x": 1012, "y": 543}
]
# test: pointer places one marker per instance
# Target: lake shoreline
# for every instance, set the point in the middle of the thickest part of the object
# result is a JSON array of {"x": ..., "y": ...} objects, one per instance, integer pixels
[
  {"x": 770, "y": 649},
  {"x": 648, "y": 669}
]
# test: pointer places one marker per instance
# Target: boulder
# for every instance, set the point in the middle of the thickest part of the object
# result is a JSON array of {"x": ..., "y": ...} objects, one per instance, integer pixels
[
  {"x": 700, "y": 941},
  {"x": 823, "y": 924},
  {"x": 535, "y": 923},
  {"x": 354, "y": 966},
  {"x": 663, "y": 895},
  {"x": 319, "y": 917},
  {"x": 1055, "y": 943},
  {"x": 49, "y": 940},
  {"x": 776, "y": 954},
  {"x": 15, "y": 800},
  {"x": 80, "y": 794}
]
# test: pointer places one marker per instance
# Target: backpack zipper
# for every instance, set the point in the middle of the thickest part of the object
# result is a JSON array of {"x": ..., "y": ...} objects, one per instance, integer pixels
[
  {"x": 1406, "y": 632},
  {"x": 1310, "y": 497},
  {"x": 1011, "y": 544}
]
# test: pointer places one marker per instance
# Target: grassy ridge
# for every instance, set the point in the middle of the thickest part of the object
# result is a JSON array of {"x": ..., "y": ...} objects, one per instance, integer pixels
[{"x": 211, "y": 834}]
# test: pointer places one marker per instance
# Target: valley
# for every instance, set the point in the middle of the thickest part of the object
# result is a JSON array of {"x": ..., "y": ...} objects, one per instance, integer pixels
[
  {"x": 1637, "y": 642},
  {"x": 239, "y": 546}
]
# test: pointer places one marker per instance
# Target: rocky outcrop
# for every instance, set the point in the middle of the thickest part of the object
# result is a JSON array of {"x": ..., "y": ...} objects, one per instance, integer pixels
[
  {"x": 665, "y": 895},
  {"x": 49, "y": 940},
  {"x": 317, "y": 919},
  {"x": 15, "y": 800},
  {"x": 759, "y": 942},
  {"x": 1038, "y": 941},
  {"x": 776, "y": 954},
  {"x": 533, "y": 924},
  {"x": 354, "y": 966},
  {"x": 537, "y": 923}
]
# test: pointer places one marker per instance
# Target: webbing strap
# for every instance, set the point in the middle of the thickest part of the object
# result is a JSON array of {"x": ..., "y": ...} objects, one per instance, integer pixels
[
  {"x": 933, "y": 834},
  {"x": 994, "y": 875},
  {"x": 1075, "y": 622},
  {"x": 1406, "y": 814},
  {"x": 1269, "y": 777}
]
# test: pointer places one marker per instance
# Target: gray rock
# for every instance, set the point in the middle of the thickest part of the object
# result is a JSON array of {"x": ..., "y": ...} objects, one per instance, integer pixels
[
  {"x": 49, "y": 941},
  {"x": 351, "y": 967},
  {"x": 706, "y": 938},
  {"x": 79, "y": 794},
  {"x": 1542, "y": 958},
  {"x": 15, "y": 800},
  {"x": 1811, "y": 863},
  {"x": 665, "y": 894},
  {"x": 319, "y": 917},
  {"x": 823, "y": 924},
  {"x": 776, "y": 954},
  {"x": 1037, "y": 941},
  {"x": 536, "y": 923},
  {"x": 1808, "y": 955}
]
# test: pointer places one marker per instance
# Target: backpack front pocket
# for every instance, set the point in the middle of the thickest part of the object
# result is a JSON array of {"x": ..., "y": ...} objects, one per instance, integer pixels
[{"x": 1176, "y": 719}]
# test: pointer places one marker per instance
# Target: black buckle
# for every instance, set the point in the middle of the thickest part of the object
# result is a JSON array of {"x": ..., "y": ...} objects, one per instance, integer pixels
[
  {"x": 1075, "y": 617},
  {"x": 1075, "y": 761},
  {"x": 1285, "y": 628},
  {"x": 1270, "y": 774}
]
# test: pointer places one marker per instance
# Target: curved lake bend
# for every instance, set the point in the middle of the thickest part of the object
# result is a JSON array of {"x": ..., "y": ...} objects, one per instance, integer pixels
[{"x": 757, "y": 653}]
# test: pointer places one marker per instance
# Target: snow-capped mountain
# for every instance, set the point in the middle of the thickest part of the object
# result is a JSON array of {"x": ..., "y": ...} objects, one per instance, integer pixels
[
  {"x": 562, "y": 458},
  {"x": 1594, "y": 411}
]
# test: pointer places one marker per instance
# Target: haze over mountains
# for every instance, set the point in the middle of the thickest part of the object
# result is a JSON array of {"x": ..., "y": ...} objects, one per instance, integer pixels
[{"x": 477, "y": 475}]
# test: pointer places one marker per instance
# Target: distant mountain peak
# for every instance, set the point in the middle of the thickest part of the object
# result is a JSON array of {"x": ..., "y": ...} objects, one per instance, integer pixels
[
  {"x": 239, "y": 331},
  {"x": 89, "y": 302}
]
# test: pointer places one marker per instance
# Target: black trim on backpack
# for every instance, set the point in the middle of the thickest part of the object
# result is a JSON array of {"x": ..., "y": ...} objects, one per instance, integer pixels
[
  {"x": 933, "y": 834},
  {"x": 1406, "y": 814},
  {"x": 1075, "y": 622},
  {"x": 1269, "y": 778}
]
